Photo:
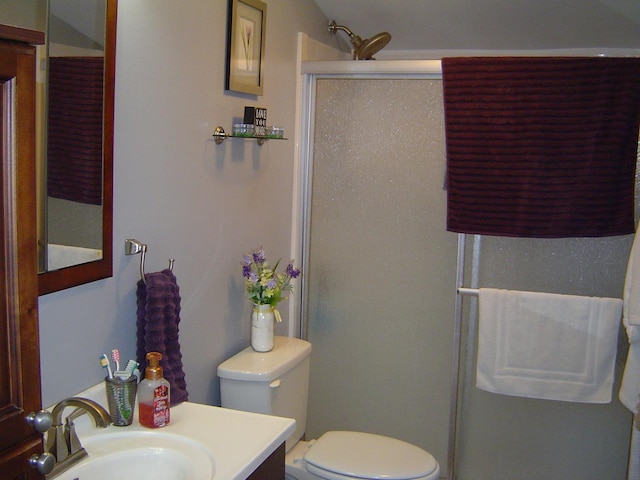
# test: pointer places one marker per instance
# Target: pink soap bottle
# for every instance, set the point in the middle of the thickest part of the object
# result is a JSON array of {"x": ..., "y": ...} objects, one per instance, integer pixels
[{"x": 153, "y": 394}]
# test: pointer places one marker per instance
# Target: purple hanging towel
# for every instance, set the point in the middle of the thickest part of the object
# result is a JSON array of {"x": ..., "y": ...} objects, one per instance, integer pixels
[
  {"x": 541, "y": 146},
  {"x": 157, "y": 326}
]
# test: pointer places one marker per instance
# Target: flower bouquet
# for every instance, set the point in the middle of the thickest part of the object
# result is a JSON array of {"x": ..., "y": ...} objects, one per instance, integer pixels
[{"x": 264, "y": 285}]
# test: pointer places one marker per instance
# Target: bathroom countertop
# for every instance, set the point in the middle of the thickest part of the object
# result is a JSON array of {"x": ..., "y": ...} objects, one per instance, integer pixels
[{"x": 238, "y": 441}]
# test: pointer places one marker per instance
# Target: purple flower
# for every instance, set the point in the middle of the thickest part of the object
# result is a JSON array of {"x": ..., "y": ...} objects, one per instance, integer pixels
[
  {"x": 292, "y": 271},
  {"x": 246, "y": 270},
  {"x": 272, "y": 283},
  {"x": 259, "y": 256}
]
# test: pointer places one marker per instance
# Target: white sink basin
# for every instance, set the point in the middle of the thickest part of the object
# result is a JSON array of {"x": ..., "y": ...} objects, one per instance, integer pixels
[
  {"x": 139, "y": 455},
  {"x": 202, "y": 442}
]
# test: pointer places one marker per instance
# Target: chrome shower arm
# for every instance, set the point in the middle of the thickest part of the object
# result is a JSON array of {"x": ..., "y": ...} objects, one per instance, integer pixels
[{"x": 334, "y": 27}]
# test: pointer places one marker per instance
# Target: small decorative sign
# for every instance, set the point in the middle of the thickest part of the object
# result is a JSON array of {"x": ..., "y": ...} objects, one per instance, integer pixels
[{"x": 258, "y": 118}]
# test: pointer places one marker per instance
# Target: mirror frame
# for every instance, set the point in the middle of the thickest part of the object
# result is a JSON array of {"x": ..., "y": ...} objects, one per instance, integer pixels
[{"x": 75, "y": 275}]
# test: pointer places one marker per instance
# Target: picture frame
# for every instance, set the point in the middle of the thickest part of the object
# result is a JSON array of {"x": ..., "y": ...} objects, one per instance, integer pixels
[{"x": 245, "y": 46}]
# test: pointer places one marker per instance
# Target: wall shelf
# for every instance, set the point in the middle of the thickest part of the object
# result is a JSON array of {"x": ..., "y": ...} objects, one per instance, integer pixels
[{"x": 220, "y": 136}]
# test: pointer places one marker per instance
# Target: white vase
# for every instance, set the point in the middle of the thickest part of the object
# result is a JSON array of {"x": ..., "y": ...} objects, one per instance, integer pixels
[{"x": 262, "y": 321}]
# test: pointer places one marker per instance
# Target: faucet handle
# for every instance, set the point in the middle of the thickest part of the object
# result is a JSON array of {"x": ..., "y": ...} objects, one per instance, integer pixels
[
  {"x": 40, "y": 421},
  {"x": 43, "y": 463},
  {"x": 71, "y": 437}
]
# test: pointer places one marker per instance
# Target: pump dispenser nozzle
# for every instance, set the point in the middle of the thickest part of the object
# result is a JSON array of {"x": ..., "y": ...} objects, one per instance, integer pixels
[{"x": 153, "y": 370}]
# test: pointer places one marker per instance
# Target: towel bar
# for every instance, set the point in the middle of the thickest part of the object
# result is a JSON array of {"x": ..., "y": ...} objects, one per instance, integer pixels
[
  {"x": 473, "y": 292},
  {"x": 133, "y": 247}
]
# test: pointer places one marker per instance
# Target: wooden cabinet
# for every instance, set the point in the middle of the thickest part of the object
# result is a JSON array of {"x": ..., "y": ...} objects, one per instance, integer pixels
[
  {"x": 19, "y": 349},
  {"x": 272, "y": 468}
]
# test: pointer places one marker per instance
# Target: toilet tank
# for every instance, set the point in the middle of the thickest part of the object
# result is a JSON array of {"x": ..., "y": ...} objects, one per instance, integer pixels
[{"x": 273, "y": 383}]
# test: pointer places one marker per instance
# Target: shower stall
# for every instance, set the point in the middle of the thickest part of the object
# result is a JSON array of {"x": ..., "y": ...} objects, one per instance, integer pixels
[{"x": 380, "y": 290}]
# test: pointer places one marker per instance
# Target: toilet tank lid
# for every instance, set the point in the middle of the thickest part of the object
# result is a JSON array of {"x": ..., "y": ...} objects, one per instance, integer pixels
[{"x": 249, "y": 365}]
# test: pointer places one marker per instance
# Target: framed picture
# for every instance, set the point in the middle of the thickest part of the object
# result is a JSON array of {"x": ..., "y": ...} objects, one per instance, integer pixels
[{"x": 245, "y": 46}]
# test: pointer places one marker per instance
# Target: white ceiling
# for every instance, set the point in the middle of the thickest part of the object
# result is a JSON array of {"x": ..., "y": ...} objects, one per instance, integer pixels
[{"x": 492, "y": 24}]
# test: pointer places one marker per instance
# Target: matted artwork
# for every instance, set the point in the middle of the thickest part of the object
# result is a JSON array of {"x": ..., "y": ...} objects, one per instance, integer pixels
[{"x": 245, "y": 46}]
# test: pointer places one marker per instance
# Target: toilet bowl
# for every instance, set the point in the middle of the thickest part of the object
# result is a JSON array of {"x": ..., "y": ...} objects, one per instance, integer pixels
[
  {"x": 276, "y": 383},
  {"x": 344, "y": 455}
]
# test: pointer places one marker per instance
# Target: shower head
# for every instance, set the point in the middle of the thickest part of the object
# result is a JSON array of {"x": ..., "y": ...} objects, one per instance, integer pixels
[{"x": 363, "y": 49}]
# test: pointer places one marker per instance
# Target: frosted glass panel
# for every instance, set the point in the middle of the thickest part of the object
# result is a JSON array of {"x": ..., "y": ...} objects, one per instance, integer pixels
[
  {"x": 382, "y": 290},
  {"x": 382, "y": 284},
  {"x": 510, "y": 437},
  {"x": 504, "y": 437}
]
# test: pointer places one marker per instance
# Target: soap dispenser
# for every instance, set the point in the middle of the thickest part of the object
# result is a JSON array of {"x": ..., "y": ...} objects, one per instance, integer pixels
[{"x": 153, "y": 394}]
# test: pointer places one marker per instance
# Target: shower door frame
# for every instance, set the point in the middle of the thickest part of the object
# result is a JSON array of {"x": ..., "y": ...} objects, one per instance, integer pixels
[{"x": 310, "y": 73}]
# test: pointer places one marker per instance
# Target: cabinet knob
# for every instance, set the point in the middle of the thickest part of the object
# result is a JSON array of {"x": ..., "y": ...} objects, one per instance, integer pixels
[
  {"x": 40, "y": 421},
  {"x": 43, "y": 463}
]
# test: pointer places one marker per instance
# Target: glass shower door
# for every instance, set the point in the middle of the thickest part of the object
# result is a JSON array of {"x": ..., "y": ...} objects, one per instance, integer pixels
[
  {"x": 382, "y": 267},
  {"x": 381, "y": 294}
]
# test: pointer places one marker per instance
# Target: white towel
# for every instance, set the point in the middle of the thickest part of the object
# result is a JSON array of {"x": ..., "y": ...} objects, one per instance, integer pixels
[
  {"x": 629, "y": 393},
  {"x": 631, "y": 296},
  {"x": 550, "y": 346},
  {"x": 630, "y": 389}
]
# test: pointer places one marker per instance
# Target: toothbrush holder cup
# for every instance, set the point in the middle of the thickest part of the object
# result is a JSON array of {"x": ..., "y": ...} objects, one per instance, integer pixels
[{"x": 121, "y": 398}]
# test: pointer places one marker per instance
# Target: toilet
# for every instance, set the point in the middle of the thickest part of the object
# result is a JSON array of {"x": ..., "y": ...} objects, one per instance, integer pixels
[{"x": 277, "y": 383}]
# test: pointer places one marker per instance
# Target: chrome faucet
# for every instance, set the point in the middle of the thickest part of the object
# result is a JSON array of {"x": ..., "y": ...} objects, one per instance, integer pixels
[{"x": 62, "y": 441}]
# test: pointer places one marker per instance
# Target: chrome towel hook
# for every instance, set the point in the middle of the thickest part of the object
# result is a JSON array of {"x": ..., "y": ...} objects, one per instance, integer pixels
[{"x": 133, "y": 247}]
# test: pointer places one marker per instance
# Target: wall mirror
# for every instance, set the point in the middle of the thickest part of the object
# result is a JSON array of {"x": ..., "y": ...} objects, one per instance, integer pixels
[{"x": 75, "y": 211}]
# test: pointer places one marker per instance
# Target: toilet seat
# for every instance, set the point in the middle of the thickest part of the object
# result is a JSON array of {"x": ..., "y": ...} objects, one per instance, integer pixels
[{"x": 344, "y": 455}]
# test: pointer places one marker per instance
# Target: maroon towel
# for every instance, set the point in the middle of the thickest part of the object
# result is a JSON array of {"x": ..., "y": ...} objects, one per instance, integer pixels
[
  {"x": 74, "y": 139},
  {"x": 541, "y": 147},
  {"x": 157, "y": 324}
]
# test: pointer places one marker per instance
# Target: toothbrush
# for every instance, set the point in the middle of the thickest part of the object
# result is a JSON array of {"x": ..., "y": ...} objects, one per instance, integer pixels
[
  {"x": 131, "y": 366},
  {"x": 104, "y": 362},
  {"x": 115, "y": 356},
  {"x": 128, "y": 370}
]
